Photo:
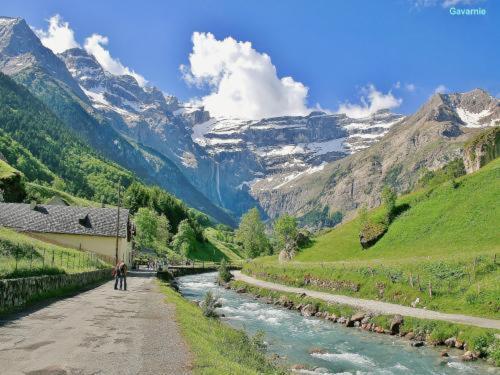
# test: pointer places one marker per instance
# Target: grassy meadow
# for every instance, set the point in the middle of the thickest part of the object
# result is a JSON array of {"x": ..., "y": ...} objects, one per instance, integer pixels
[
  {"x": 442, "y": 248},
  {"x": 22, "y": 256}
]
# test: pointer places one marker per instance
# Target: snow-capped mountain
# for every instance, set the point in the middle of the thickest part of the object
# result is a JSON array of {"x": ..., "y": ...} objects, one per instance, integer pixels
[
  {"x": 222, "y": 157},
  {"x": 232, "y": 162},
  {"x": 294, "y": 143}
]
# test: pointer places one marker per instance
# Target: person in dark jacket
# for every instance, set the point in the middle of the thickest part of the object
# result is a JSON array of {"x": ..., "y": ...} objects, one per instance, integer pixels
[{"x": 120, "y": 273}]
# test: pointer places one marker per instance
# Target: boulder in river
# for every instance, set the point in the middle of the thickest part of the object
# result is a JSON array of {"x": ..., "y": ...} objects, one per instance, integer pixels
[
  {"x": 309, "y": 310},
  {"x": 358, "y": 316},
  {"x": 450, "y": 342},
  {"x": 417, "y": 344},
  {"x": 410, "y": 335},
  {"x": 459, "y": 344},
  {"x": 469, "y": 356},
  {"x": 396, "y": 322},
  {"x": 317, "y": 351},
  {"x": 332, "y": 317}
]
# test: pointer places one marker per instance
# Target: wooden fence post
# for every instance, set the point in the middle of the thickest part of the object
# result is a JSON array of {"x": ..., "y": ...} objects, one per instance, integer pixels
[{"x": 430, "y": 289}]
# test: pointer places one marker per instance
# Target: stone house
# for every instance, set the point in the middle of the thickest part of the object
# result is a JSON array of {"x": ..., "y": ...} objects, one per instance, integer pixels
[{"x": 86, "y": 228}]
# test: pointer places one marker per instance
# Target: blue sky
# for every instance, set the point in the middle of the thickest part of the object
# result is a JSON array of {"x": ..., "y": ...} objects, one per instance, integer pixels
[{"x": 334, "y": 48}]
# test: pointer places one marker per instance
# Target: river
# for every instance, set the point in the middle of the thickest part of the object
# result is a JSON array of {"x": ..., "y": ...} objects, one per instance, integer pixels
[{"x": 343, "y": 350}]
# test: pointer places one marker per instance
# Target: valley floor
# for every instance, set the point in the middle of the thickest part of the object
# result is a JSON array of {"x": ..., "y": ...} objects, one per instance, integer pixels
[
  {"x": 372, "y": 305},
  {"x": 99, "y": 331}
]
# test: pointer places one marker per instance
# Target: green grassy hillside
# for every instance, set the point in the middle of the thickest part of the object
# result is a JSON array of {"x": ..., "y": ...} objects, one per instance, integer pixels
[
  {"x": 215, "y": 249},
  {"x": 441, "y": 248},
  {"x": 455, "y": 218},
  {"x": 22, "y": 256}
]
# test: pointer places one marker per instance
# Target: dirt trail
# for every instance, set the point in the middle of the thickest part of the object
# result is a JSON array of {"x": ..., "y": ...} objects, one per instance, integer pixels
[
  {"x": 374, "y": 306},
  {"x": 100, "y": 331}
]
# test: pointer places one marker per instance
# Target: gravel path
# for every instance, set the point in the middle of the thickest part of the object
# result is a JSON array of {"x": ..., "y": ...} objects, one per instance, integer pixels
[
  {"x": 100, "y": 331},
  {"x": 374, "y": 306}
]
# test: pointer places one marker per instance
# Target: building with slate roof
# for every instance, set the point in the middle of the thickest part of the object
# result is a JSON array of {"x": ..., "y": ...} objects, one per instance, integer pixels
[{"x": 86, "y": 228}]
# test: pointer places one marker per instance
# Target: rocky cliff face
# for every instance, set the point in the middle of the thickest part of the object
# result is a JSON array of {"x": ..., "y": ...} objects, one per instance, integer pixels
[
  {"x": 482, "y": 149},
  {"x": 433, "y": 136},
  {"x": 221, "y": 157},
  {"x": 20, "y": 49}
]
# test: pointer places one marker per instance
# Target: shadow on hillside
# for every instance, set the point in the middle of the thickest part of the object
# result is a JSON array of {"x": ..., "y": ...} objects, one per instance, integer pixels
[{"x": 401, "y": 208}]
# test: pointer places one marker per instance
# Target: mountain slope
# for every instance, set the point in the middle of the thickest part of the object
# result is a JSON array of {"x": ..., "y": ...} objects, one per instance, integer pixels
[
  {"x": 221, "y": 157},
  {"x": 428, "y": 139},
  {"x": 446, "y": 220},
  {"x": 47, "y": 77},
  {"x": 439, "y": 251}
]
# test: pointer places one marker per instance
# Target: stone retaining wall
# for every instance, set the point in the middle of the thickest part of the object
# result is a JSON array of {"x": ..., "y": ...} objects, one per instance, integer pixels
[{"x": 17, "y": 292}]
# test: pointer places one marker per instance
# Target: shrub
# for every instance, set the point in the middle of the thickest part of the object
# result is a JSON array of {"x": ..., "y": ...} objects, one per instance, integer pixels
[
  {"x": 224, "y": 274},
  {"x": 370, "y": 233},
  {"x": 442, "y": 332},
  {"x": 478, "y": 340},
  {"x": 208, "y": 305},
  {"x": 258, "y": 342},
  {"x": 494, "y": 352}
]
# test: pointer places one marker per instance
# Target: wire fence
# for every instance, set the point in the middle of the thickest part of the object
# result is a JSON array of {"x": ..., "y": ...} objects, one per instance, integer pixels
[{"x": 22, "y": 259}]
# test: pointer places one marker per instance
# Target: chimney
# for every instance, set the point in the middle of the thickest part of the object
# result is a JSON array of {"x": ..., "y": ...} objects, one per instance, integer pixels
[{"x": 33, "y": 205}]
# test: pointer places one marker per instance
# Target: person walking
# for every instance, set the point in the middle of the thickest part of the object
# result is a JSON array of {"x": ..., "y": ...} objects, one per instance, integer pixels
[{"x": 120, "y": 273}]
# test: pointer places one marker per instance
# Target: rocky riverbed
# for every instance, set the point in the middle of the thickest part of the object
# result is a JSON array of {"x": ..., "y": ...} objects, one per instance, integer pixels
[{"x": 308, "y": 342}]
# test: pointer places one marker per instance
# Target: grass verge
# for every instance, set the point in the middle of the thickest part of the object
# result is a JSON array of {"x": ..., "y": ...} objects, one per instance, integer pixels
[
  {"x": 218, "y": 348},
  {"x": 24, "y": 256}
]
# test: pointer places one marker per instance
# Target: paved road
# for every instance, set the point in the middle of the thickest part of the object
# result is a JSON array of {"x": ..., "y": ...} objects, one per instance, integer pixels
[
  {"x": 375, "y": 306},
  {"x": 100, "y": 331}
]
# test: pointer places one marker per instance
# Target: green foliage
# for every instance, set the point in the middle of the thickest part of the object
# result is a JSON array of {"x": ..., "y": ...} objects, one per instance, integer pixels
[
  {"x": 224, "y": 274},
  {"x": 138, "y": 195},
  {"x": 57, "y": 149},
  {"x": 286, "y": 231},
  {"x": 363, "y": 215},
  {"x": 184, "y": 241},
  {"x": 153, "y": 231},
  {"x": 452, "y": 170},
  {"x": 478, "y": 340},
  {"x": 251, "y": 234},
  {"x": 371, "y": 233},
  {"x": 43, "y": 194},
  {"x": 494, "y": 352},
  {"x": 12, "y": 187},
  {"x": 389, "y": 202},
  {"x": 215, "y": 249},
  {"x": 321, "y": 218},
  {"x": 208, "y": 305}
]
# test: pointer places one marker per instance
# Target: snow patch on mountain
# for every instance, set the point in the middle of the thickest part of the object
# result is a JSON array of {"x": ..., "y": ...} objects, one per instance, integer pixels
[{"x": 473, "y": 120}]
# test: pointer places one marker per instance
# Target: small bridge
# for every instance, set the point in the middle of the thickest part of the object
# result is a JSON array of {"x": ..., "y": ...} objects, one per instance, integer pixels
[{"x": 195, "y": 268}]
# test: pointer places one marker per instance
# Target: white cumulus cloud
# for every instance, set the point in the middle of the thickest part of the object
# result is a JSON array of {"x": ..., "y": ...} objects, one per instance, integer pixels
[
  {"x": 95, "y": 44},
  {"x": 410, "y": 87},
  {"x": 372, "y": 101},
  {"x": 59, "y": 36},
  {"x": 441, "y": 89},
  {"x": 243, "y": 82}
]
